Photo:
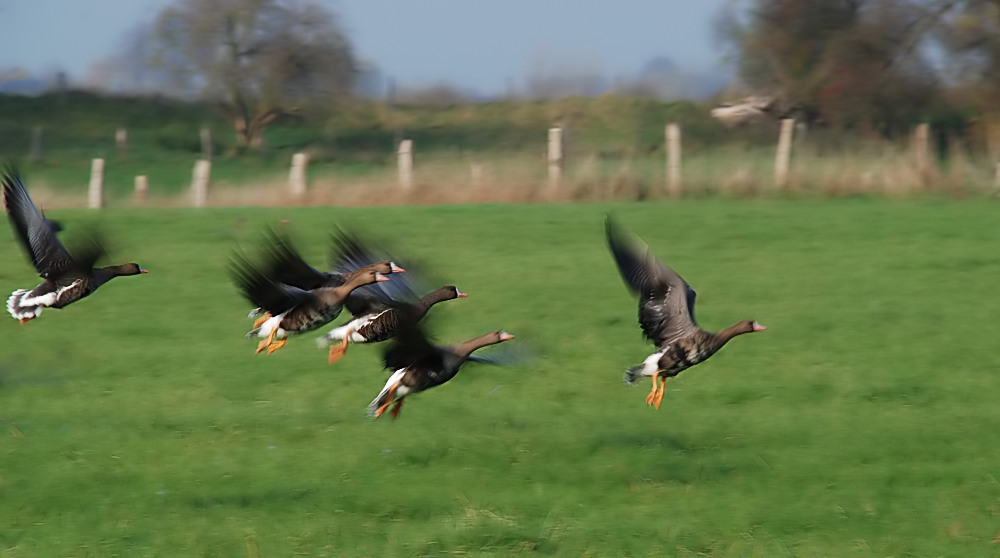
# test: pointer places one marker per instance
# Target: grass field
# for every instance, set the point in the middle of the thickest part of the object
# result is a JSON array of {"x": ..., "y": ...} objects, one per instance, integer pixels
[{"x": 864, "y": 421}]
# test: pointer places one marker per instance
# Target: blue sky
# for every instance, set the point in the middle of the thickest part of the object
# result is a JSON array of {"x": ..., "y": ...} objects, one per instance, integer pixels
[{"x": 478, "y": 45}]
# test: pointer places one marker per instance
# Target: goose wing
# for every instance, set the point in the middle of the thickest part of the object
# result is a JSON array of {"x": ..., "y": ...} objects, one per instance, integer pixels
[
  {"x": 410, "y": 347},
  {"x": 262, "y": 290},
  {"x": 666, "y": 301},
  {"x": 36, "y": 233},
  {"x": 285, "y": 265},
  {"x": 351, "y": 253}
]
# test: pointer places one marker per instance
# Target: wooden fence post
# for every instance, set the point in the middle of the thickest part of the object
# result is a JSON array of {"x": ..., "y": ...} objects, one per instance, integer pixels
[
  {"x": 405, "y": 160},
  {"x": 555, "y": 157},
  {"x": 36, "y": 144},
  {"x": 996, "y": 179},
  {"x": 121, "y": 141},
  {"x": 206, "y": 143},
  {"x": 95, "y": 193},
  {"x": 476, "y": 174},
  {"x": 199, "y": 181},
  {"x": 784, "y": 153},
  {"x": 141, "y": 189},
  {"x": 922, "y": 150},
  {"x": 674, "y": 186},
  {"x": 297, "y": 175}
]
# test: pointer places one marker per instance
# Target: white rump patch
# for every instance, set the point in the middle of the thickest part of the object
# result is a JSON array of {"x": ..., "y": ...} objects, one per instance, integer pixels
[
  {"x": 651, "y": 364},
  {"x": 337, "y": 334},
  {"x": 270, "y": 325},
  {"x": 400, "y": 391}
]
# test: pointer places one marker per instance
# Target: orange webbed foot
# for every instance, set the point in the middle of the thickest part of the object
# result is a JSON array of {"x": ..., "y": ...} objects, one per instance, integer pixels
[
  {"x": 656, "y": 395},
  {"x": 652, "y": 393},
  {"x": 338, "y": 351},
  {"x": 265, "y": 343},
  {"x": 275, "y": 345}
]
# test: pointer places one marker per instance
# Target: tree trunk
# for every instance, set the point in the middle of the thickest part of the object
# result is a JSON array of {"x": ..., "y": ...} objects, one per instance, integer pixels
[{"x": 250, "y": 131}]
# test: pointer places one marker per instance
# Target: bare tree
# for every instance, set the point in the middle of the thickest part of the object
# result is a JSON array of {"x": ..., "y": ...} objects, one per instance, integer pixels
[
  {"x": 848, "y": 62},
  {"x": 972, "y": 35},
  {"x": 261, "y": 59}
]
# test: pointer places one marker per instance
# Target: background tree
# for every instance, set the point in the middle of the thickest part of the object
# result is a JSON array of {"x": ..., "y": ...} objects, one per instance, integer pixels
[
  {"x": 261, "y": 59},
  {"x": 851, "y": 63},
  {"x": 971, "y": 34}
]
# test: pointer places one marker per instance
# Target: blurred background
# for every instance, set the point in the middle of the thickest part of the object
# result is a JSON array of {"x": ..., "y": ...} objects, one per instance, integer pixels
[{"x": 153, "y": 86}]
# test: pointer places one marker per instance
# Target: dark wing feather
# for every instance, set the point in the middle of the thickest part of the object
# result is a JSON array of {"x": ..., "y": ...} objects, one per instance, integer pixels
[
  {"x": 351, "y": 253},
  {"x": 666, "y": 301},
  {"x": 364, "y": 303},
  {"x": 286, "y": 265},
  {"x": 261, "y": 290},
  {"x": 410, "y": 347},
  {"x": 48, "y": 255},
  {"x": 87, "y": 249}
]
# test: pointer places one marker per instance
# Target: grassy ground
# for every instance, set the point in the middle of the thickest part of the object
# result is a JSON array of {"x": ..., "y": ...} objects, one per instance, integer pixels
[{"x": 138, "y": 422}]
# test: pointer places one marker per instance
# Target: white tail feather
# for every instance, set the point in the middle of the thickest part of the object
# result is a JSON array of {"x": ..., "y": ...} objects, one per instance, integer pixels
[
  {"x": 383, "y": 396},
  {"x": 21, "y": 311}
]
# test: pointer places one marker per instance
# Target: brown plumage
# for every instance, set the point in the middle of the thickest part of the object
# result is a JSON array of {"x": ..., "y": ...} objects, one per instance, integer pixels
[
  {"x": 67, "y": 278},
  {"x": 291, "y": 310},
  {"x": 378, "y": 318},
  {"x": 281, "y": 263},
  {"x": 418, "y": 365},
  {"x": 666, "y": 313}
]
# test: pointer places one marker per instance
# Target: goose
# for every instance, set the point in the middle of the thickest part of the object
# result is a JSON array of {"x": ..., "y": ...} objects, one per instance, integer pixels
[
  {"x": 293, "y": 310},
  {"x": 418, "y": 366},
  {"x": 376, "y": 319},
  {"x": 666, "y": 314},
  {"x": 284, "y": 265},
  {"x": 67, "y": 278}
]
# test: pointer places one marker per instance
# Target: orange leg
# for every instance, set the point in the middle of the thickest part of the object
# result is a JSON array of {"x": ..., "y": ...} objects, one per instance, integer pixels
[
  {"x": 659, "y": 393},
  {"x": 260, "y": 321},
  {"x": 337, "y": 351},
  {"x": 265, "y": 343},
  {"x": 396, "y": 408},
  {"x": 275, "y": 345},
  {"x": 25, "y": 320},
  {"x": 381, "y": 410},
  {"x": 652, "y": 393}
]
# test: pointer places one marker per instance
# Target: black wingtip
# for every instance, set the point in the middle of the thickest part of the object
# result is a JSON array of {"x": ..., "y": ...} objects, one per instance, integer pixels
[
  {"x": 11, "y": 178},
  {"x": 613, "y": 229}
]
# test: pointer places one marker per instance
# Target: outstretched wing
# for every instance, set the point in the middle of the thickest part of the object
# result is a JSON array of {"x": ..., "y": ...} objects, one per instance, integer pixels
[
  {"x": 263, "y": 291},
  {"x": 36, "y": 233},
  {"x": 411, "y": 346},
  {"x": 285, "y": 265},
  {"x": 351, "y": 253},
  {"x": 666, "y": 301}
]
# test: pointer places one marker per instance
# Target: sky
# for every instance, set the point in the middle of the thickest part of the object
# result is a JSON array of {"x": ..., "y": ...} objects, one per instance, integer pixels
[{"x": 471, "y": 44}]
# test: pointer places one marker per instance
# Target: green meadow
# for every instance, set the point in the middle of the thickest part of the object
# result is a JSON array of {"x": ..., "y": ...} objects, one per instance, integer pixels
[{"x": 863, "y": 422}]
